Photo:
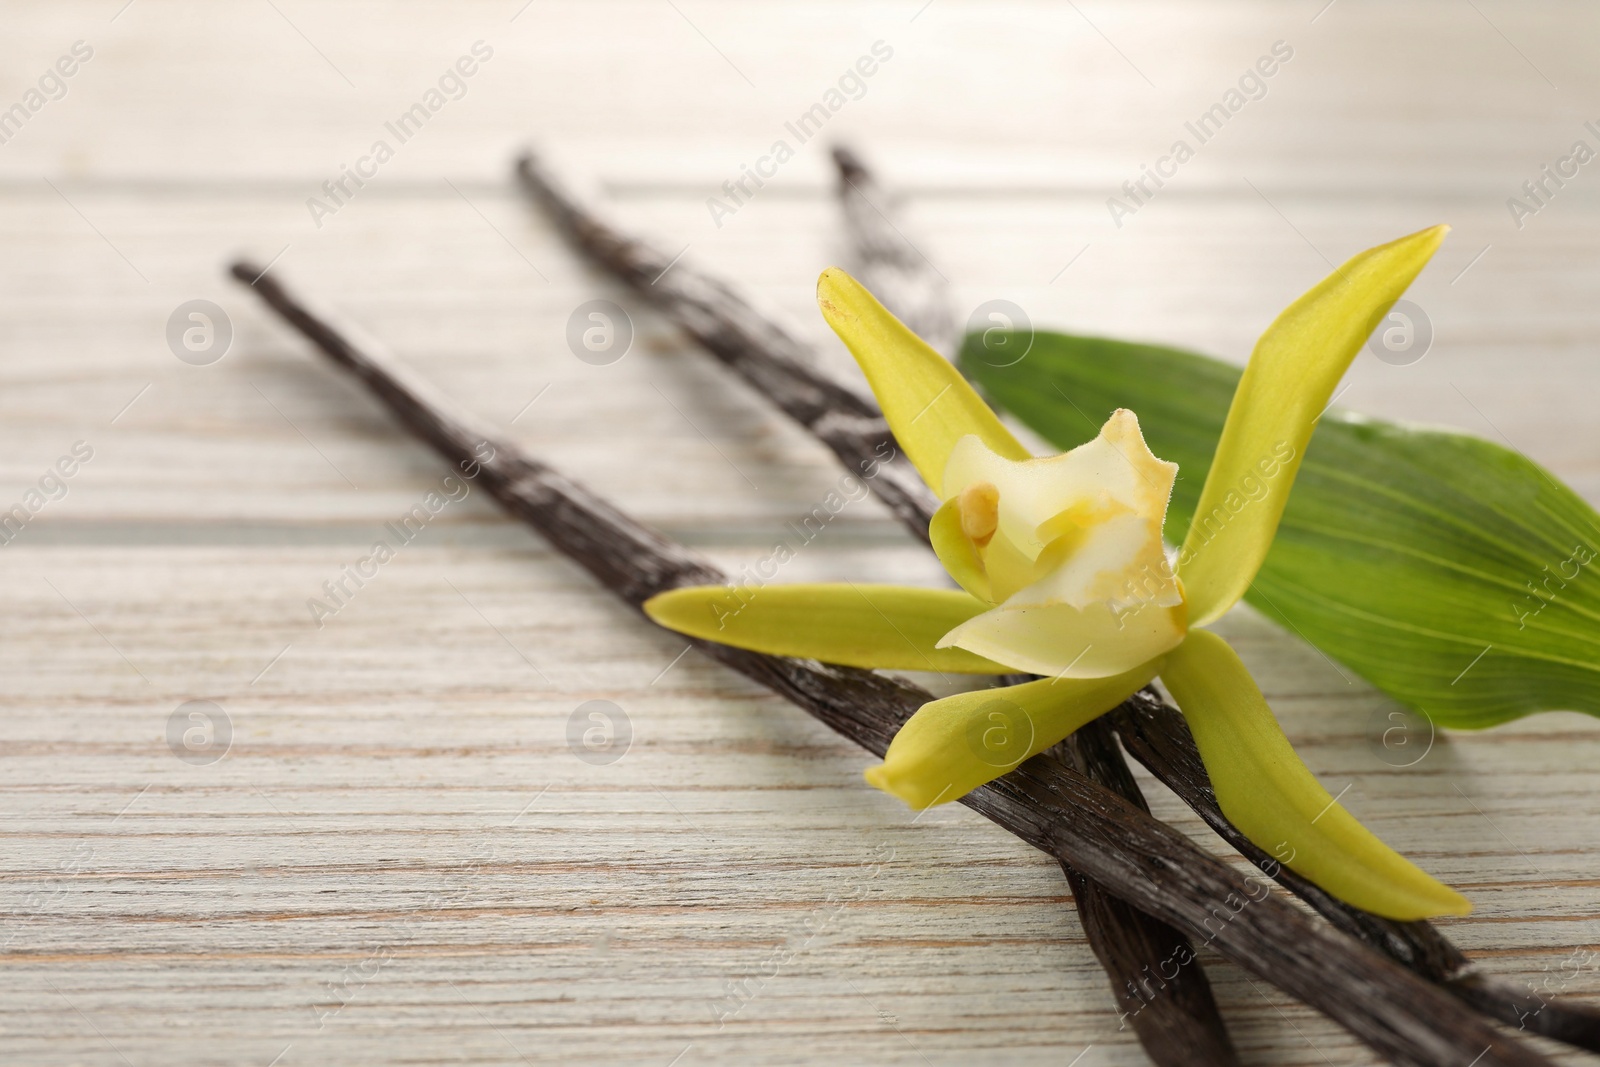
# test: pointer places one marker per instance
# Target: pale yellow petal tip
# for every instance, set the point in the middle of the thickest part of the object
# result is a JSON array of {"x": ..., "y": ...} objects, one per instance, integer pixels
[
  {"x": 878, "y": 777},
  {"x": 652, "y": 608},
  {"x": 1123, "y": 432},
  {"x": 1445, "y": 902},
  {"x": 1417, "y": 897},
  {"x": 683, "y": 609},
  {"x": 1429, "y": 239},
  {"x": 1450, "y": 903},
  {"x": 663, "y": 608},
  {"x": 834, "y": 288},
  {"x": 1433, "y": 236}
]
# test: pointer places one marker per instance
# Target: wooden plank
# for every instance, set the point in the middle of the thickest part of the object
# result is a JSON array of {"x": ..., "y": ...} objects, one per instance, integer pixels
[{"x": 400, "y": 825}]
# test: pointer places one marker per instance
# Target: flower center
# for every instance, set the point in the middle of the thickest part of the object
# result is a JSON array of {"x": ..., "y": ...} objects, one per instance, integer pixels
[{"x": 980, "y": 512}]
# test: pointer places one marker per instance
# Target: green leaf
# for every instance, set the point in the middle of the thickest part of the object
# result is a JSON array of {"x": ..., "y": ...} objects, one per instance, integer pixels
[
  {"x": 1449, "y": 571},
  {"x": 892, "y": 627}
]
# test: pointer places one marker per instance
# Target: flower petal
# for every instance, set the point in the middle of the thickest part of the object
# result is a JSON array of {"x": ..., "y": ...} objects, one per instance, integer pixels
[
  {"x": 889, "y": 626},
  {"x": 952, "y": 746},
  {"x": 928, "y": 403},
  {"x": 1285, "y": 388},
  {"x": 1273, "y": 798},
  {"x": 1068, "y": 642}
]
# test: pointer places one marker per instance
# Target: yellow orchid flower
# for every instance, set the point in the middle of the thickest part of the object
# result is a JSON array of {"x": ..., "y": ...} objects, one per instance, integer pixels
[{"x": 1063, "y": 574}]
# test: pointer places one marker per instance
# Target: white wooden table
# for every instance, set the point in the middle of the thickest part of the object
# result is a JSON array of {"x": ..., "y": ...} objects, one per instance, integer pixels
[{"x": 400, "y": 859}]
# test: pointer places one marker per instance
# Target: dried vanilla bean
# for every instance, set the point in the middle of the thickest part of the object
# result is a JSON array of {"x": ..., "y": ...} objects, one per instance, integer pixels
[
  {"x": 1155, "y": 974},
  {"x": 886, "y": 262},
  {"x": 1044, "y": 802},
  {"x": 752, "y": 344}
]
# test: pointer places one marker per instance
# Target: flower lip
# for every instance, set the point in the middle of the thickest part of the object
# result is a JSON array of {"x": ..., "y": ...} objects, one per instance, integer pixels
[{"x": 1070, "y": 550}]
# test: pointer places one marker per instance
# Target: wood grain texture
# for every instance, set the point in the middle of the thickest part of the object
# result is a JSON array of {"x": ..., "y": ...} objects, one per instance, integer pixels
[
  {"x": 342, "y": 842},
  {"x": 1046, "y": 802}
]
